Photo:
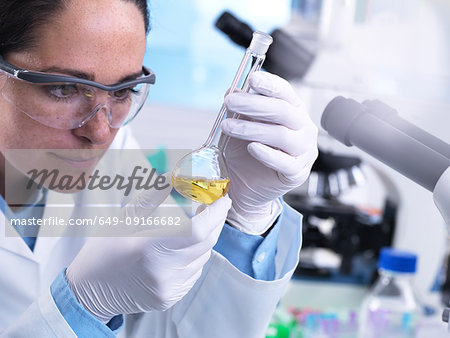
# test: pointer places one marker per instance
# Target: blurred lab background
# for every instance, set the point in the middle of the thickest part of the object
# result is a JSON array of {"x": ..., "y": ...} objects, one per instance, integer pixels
[{"x": 396, "y": 51}]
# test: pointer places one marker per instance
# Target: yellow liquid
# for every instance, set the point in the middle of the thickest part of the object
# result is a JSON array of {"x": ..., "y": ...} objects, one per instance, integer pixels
[{"x": 199, "y": 189}]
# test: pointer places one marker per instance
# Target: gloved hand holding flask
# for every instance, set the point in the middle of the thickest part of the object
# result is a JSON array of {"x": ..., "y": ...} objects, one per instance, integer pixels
[
  {"x": 271, "y": 150},
  {"x": 112, "y": 276}
]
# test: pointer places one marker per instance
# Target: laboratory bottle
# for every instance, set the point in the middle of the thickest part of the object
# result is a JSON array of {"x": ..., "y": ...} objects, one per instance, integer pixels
[{"x": 391, "y": 309}]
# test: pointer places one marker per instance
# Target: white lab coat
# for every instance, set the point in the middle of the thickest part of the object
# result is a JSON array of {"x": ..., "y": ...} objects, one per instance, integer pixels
[{"x": 223, "y": 303}]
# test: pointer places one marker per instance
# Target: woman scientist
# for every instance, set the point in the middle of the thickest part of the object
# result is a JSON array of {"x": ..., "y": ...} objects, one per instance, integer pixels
[{"x": 225, "y": 279}]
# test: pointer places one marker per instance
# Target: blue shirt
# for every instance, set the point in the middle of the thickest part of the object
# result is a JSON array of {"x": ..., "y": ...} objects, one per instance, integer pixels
[{"x": 33, "y": 208}]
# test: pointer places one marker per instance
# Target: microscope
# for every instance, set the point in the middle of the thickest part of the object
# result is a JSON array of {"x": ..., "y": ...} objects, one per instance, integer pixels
[{"x": 378, "y": 130}]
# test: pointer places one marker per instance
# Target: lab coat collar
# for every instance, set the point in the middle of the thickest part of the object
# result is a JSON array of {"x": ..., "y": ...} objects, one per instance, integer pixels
[
  {"x": 44, "y": 245},
  {"x": 13, "y": 244}
]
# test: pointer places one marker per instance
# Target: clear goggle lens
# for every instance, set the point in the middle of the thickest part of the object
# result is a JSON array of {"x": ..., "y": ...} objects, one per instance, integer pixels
[{"x": 71, "y": 105}]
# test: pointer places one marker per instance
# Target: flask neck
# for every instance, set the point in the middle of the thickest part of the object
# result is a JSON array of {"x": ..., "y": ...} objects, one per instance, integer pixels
[{"x": 251, "y": 62}]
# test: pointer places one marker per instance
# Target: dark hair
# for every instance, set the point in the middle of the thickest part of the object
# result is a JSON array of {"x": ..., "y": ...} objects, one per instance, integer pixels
[{"x": 19, "y": 20}]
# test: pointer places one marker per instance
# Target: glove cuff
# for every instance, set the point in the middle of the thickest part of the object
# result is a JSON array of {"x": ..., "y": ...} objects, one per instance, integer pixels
[{"x": 255, "y": 224}]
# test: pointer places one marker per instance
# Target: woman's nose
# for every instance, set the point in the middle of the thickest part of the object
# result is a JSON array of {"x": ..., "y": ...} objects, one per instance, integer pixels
[{"x": 96, "y": 130}]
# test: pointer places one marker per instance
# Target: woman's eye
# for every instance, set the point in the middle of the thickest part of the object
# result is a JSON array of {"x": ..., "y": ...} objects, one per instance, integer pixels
[
  {"x": 63, "y": 91},
  {"x": 123, "y": 93}
]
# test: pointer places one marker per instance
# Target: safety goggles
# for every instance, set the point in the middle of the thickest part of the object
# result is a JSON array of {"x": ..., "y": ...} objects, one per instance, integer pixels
[{"x": 66, "y": 102}]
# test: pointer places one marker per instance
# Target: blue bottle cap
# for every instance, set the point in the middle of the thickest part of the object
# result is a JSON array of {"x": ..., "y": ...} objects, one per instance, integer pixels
[{"x": 397, "y": 260}]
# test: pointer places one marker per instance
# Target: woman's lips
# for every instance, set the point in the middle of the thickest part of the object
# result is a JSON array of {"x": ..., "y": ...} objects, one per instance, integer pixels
[{"x": 78, "y": 162}]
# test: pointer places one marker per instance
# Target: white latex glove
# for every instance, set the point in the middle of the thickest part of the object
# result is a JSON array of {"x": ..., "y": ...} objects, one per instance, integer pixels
[
  {"x": 112, "y": 276},
  {"x": 269, "y": 153}
]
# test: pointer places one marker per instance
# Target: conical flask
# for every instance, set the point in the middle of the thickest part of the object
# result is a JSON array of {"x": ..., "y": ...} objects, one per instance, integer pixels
[{"x": 202, "y": 175}]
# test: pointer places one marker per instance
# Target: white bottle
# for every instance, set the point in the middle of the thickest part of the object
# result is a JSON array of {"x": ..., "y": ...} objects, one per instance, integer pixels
[{"x": 391, "y": 309}]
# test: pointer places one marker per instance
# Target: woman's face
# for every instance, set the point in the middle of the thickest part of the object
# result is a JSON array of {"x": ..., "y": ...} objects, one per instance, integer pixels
[{"x": 102, "y": 39}]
